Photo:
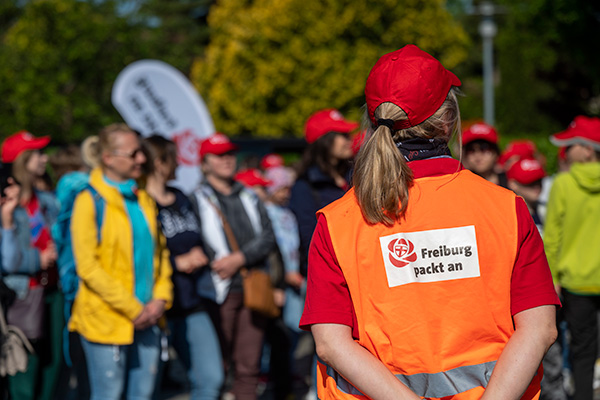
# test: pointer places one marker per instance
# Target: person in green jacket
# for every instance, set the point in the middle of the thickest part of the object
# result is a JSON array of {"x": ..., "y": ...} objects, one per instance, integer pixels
[{"x": 571, "y": 237}]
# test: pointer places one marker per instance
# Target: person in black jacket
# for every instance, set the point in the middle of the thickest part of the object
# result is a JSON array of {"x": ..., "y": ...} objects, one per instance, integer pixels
[
  {"x": 322, "y": 179},
  {"x": 193, "y": 333},
  {"x": 322, "y": 175}
]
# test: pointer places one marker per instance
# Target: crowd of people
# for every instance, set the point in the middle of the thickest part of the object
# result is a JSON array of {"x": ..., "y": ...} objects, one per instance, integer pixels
[{"x": 112, "y": 269}]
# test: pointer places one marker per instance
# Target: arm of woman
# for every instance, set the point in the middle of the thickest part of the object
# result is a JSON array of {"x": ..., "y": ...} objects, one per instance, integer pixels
[
  {"x": 535, "y": 331},
  {"x": 163, "y": 286},
  {"x": 336, "y": 347},
  {"x": 86, "y": 253},
  {"x": 11, "y": 256},
  {"x": 263, "y": 243},
  {"x": 28, "y": 257}
]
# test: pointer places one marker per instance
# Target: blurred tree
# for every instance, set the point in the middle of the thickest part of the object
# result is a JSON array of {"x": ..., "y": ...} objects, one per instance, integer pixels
[
  {"x": 59, "y": 58},
  {"x": 58, "y": 62},
  {"x": 546, "y": 64},
  {"x": 549, "y": 60},
  {"x": 9, "y": 11},
  {"x": 271, "y": 63},
  {"x": 176, "y": 29}
]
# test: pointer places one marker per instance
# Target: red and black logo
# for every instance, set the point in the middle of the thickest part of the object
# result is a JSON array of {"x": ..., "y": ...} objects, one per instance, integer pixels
[
  {"x": 188, "y": 146},
  {"x": 402, "y": 252}
]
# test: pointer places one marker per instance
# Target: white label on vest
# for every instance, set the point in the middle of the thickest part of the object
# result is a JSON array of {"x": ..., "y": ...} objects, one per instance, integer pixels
[{"x": 430, "y": 256}]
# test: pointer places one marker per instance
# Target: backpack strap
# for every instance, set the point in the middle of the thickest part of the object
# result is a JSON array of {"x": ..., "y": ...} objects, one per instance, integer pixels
[{"x": 99, "y": 207}]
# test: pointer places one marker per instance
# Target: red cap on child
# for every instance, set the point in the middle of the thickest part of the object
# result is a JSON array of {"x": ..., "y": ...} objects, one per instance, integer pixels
[
  {"x": 19, "y": 142},
  {"x": 526, "y": 171}
]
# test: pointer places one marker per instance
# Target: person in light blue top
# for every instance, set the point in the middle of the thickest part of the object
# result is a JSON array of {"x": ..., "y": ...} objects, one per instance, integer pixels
[
  {"x": 287, "y": 235},
  {"x": 9, "y": 254}
]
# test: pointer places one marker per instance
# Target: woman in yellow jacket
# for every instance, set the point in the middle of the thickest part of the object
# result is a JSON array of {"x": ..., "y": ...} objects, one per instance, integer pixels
[{"x": 124, "y": 272}]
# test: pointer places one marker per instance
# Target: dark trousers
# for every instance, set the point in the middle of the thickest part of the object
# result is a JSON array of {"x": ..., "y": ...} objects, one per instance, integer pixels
[
  {"x": 242, "y": 339},
  {"x": 580, "y": 312}
]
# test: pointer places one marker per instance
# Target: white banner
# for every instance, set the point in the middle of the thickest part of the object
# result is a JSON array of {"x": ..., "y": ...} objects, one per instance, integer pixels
[{"x": 155, "y": 98}]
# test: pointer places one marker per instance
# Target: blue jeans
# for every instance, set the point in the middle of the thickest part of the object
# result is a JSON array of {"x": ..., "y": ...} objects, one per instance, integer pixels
[
  {"x": 197, "y": 344},
  {"x": 110, "y": 366}
]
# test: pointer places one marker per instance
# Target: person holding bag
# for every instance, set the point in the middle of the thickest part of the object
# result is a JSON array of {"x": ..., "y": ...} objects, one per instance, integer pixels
[
  {"x": 37, "y": 311},
  {"x": 235, "y": 225},
  {"x": 14, "y": 346}
]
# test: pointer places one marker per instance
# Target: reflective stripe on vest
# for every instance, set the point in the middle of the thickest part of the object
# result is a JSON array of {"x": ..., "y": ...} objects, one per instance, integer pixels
[{"x": 441, "y": 384}]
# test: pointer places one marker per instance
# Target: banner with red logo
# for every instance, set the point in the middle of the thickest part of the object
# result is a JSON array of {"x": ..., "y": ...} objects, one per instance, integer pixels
[
  {"x": 155, "y": 98},
  {"x": 430, "y": 256}
]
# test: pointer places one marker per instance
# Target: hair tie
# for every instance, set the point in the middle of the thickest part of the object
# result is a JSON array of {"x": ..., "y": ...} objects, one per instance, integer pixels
[{"x": 386, "y": 122}]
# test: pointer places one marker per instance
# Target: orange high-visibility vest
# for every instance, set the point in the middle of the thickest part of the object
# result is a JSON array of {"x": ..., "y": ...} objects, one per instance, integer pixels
[{"x": 432, "y": 292}]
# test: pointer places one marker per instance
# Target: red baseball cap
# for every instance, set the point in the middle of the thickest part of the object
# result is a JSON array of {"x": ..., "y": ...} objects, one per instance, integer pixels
[
  {"x": 271, "y": 160},
  {"x": 216, "y": 144},
  {"x": 411, "y": 79},
  {"x": 325, "y": 121},
  {"x": 480, "y": 131},
  {"x": 518, "y": 148},
  {"x": 252, "y": 177},
  {"x": 19, "y": 142},
  {"x": 583, "y": 130},
  {"x": 526, "y": 171}
]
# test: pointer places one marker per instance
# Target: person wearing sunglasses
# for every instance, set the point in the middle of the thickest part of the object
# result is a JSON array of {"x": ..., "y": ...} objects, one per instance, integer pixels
[{"x": 124, "y": 271}]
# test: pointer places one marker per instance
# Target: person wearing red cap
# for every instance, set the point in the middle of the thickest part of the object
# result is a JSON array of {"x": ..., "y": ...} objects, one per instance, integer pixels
[
  {"x": 295, "y": 368},
  {"x": 525, "y": 179},
  {"x": 236, "y": 227},
  {"x": 322, "y": 175},
  {"x": 254, "y": 179},
  {"x": 35, "y": 276},
  {"x": 516, "y": 150},
  {"x": 425, "y": 280},
  {"x": 481, "y": 152},
  {"x": 570, "y": 235},
  {"x": 270, "y": 161},
  {"x": 322, "y": 171}
]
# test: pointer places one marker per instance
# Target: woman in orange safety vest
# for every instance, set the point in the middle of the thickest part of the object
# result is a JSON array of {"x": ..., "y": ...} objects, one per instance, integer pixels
[{"x": 425, "y": 280}]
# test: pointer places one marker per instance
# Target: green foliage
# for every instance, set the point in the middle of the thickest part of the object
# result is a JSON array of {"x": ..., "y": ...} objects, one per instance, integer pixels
[
  {"x": 60, "y": 58},
  {"x": 271, "y": 63},
  {"x": 176, "y": 30},
  {"x": 57, "y": 65},
  {"x": 548, "y": 70}
]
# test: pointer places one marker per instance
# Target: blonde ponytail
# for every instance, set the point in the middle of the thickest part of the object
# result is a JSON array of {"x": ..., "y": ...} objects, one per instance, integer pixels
[
  {"x": 90, "y": 151},
  {"x": 382, "y": 177}
]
